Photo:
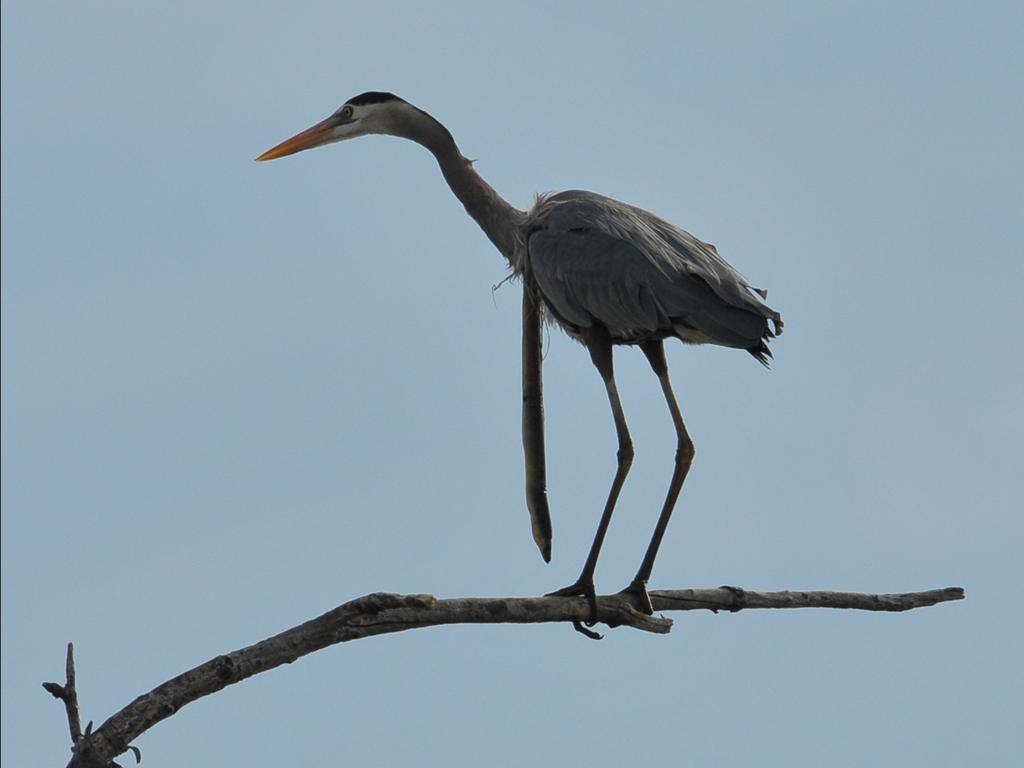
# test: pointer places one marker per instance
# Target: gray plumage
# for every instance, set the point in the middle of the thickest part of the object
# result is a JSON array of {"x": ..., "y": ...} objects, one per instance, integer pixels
[
  {"x": 607, "y": 272},
  {"x": 596, "y": 260}
]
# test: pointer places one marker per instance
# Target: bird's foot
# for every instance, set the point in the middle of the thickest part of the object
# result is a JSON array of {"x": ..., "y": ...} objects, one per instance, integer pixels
[
  {"x": 641, "y": 600},
  {"x": 582, "y": 588}
]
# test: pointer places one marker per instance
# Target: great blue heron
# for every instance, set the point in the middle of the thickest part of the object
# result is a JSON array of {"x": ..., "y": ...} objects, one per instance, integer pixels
[{"x": 607, "y": 273}]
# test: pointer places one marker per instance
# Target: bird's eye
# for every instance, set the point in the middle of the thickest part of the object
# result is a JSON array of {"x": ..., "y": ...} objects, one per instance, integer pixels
[{"x": 346, "y": 111}]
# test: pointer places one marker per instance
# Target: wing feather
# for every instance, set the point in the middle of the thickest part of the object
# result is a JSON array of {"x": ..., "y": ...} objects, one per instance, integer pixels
[{"x": 598, "y": 260}]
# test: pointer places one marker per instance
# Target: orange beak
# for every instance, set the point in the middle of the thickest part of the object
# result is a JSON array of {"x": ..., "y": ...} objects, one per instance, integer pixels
[{"x": 321, "y": 133}]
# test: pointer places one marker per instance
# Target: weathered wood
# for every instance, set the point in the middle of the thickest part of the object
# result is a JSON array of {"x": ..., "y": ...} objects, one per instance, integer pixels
[
  {"x": 69, "y": 695},
  {"x": 381, "y": 613}
]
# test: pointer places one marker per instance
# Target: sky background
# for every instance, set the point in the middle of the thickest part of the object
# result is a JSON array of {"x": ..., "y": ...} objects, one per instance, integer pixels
[{"x": 236, "y": 395}]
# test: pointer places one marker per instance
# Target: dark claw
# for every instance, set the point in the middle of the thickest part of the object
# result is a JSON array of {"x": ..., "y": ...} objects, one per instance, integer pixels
[{"x": 578, "y": 626}]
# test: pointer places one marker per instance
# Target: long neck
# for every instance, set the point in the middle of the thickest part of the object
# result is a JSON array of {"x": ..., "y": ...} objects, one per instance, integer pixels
[{"x": 496, "y": 217}]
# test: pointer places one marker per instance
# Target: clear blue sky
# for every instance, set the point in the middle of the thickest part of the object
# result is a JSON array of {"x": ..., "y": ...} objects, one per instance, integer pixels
[{"x": 236, "y": 395}]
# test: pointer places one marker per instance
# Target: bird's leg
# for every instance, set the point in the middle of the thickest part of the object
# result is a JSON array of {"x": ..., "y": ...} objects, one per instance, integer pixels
[
  {"x": 599, "y": 344},
  {"x": 655, "y": 352}
]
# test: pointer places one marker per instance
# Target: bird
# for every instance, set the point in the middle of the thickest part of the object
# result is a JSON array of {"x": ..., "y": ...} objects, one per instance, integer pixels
[{"x": 609, "y": 274}]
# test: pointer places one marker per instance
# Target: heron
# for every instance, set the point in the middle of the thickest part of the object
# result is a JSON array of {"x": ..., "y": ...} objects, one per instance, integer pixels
[{"x": 609, "y": 274}]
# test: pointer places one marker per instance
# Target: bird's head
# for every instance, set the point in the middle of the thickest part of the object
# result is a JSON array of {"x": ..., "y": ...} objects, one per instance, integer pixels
[{"x": 370, "y": 112}]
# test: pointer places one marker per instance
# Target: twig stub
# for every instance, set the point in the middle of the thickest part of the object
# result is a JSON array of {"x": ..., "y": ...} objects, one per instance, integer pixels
[{"x": 69, "y": 695}]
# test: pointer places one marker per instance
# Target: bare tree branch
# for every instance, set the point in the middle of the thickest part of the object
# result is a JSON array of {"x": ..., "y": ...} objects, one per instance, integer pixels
[
  {"x": 380, "y": 613},
  {"x": 736, "y": 599},
  {"x": 69, "y": 695}
]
